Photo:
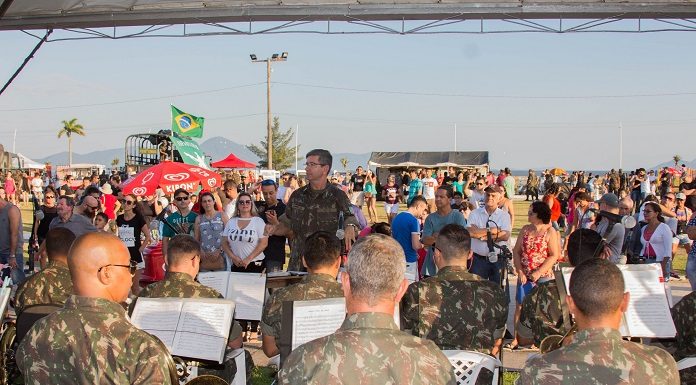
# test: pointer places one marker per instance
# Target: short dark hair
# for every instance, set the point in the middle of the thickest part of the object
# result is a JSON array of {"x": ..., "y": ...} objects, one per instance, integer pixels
[
  {"x": 180, "y": 191},
  {"x": 583, "y": 196},
  {"x": 68, "y": 200},
  {"x": 58, "y": 242},
  {"x": 447, "y": 189},
  {"x": 321, "y": 249},
  {"x": 180, "y": 247},
  {"x": 583, "y": 244},
  {"x": 542, "y": 211},
  {"x": 453, "y": 241},
  {"x": 90, "y": 190},
  {"x": 597, "y": 287},
  {"x": 102, "y": 216},
  {"x": 457, "y": 194},
  {"x": 382, "y": 228},
  {"x": 325, "y": 157},
  {"x": 416, "y": 199}
]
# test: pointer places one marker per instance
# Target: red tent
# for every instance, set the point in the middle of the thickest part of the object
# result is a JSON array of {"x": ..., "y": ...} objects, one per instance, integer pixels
[{"x": 232, "y": 162}]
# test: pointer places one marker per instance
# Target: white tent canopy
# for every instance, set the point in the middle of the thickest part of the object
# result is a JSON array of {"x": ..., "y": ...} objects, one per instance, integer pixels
[{"x": 25, "y": 162}]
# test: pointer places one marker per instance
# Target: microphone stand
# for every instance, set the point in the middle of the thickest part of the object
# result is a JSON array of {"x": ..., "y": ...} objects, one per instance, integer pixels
[{"x": 502, "y": 262}]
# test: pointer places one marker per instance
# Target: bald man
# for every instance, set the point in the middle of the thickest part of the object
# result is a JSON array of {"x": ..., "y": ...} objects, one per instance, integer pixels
[{"x": 90, "y": 340}]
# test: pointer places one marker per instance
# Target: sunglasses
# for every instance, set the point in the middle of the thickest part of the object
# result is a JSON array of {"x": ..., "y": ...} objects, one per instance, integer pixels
[
  {"x": 132, "y": 267},
  {"x": 244, "y": 202},
  {"x": 93, "y": 207},
  {"x": 49, "y": 196},
  {"x": 181, "y": 199},
  {"x": 130, "y": 202}
]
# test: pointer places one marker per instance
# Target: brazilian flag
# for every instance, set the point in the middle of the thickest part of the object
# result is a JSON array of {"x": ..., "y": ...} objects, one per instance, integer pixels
[{"x": 186, "y": 124}]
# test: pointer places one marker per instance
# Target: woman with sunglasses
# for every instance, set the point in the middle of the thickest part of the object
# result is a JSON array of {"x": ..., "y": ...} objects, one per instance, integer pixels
[
  {"x": 43, "y": 217},
  {"x": 208, "y": 231},
  {"x": 131, "y": 226},
  {"x": 243, "y": 241},
  {"x": 656, "y": 238}
]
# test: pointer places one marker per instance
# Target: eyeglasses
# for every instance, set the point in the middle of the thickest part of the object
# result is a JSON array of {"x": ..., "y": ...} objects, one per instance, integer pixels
[
  {"x": 181, "y": 199},
  {"x": 312, "y": 164},
  {"x": 133, "y": 267},
  {"x": 49, "y": 196},
  {"x": 130, "y": 202},
  {"x": 244, "y": 202}
]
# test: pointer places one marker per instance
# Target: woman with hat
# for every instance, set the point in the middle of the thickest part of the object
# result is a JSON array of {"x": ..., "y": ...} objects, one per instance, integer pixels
[{"x": 110, "y": 205}]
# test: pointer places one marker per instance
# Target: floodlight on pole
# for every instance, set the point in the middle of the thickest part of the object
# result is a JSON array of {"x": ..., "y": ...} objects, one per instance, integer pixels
[{"x": 269, "y": 137}]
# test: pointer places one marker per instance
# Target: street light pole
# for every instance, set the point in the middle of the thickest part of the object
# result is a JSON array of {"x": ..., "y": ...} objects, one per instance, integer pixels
[{"x": 269, "y": 127}]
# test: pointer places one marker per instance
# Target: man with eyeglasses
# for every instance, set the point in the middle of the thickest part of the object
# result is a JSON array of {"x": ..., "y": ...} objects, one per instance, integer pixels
[
  {"x": 316, "y": 206},
  {"x": 11, "y": 238},
  {"x": 53, "y": 284},
  {"x": 183, "y": 264},
  {"x": 180, "y": 222},
  {"x": 91, "y": 340},
  {"x": 269, "y": 210}
]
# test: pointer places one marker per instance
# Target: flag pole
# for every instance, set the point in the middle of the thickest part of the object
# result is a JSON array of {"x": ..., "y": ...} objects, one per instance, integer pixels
[{"x": 297, "y": 134}]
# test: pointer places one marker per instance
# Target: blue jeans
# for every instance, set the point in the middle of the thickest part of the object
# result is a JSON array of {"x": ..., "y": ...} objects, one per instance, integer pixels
[
  {"x": 691, "y": 267},
  {"x": 17, "y": 274},
  {"x": 486, "y": 270}
]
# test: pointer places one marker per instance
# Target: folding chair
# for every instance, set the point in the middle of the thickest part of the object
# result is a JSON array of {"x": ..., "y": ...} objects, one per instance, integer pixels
[{"x": 467, "y": 365}]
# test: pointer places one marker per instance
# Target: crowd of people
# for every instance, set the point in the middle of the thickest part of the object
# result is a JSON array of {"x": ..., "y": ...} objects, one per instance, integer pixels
[{"x": 442, "y": 260}]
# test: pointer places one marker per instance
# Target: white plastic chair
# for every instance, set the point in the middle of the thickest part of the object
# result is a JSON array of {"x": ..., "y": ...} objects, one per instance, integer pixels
[{"x": 467, "y": 365}]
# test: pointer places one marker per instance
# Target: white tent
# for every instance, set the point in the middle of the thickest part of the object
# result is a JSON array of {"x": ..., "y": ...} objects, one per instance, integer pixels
[{"x": 25, "y": 163}]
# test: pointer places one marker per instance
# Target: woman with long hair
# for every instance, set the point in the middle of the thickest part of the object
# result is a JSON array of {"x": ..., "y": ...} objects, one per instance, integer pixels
[
  {"x": 370, "y": 191},
  {"x": 43, "y": 217},
  {"x": 244, "y": 240},
  {"x": 656, "y": 238},
  {"x": 208, "y": 231},
  {"x": 535, "y": 253},
  {"x": 131, "y": 226},
  {"x": 292, "y": 185}
]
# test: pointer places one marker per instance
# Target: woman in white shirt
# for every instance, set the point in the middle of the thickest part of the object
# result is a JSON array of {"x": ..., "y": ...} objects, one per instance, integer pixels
[
  {"x": 244, "y": 239},
  {"x": 656, "y": 238}
]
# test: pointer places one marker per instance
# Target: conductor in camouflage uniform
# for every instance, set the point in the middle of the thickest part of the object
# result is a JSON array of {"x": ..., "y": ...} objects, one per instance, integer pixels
[
  {"x": 322, "y": 258},
  {"x": 369, "y": 348},
  {"x": 541, "y": 314},
  {"x": 53, "y": 284},
  {"x": 455, "y": 309},
  {"x": 90, "y": 340},
  {"x": 313, "y": 207},
  {"x": 183, "y": 264},
  {"x": 597, "y": 354},
  {"x": 684, "y": 316}
]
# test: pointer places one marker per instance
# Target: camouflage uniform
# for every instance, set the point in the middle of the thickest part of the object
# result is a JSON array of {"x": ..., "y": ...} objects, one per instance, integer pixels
[
  {"x": 600, "y": 356},
  {"x": 541, "y": 313},
  {"x": 91, "y": 341},
  {"x": 456, "y": 310},
  {"x": 308, "y": 211},
  {"x": 182, "y": 285},
  {"x": 367, "y": 349},
  {"x": 52, "y": 285},
  {"x": 313, "y": 286},
  {"x": 684, "y": 315}
]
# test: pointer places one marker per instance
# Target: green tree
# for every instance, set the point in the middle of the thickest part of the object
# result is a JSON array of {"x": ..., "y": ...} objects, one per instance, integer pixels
[
  {"x": 115, "y": 162},
  {"x": 676, "y": 160},
  {"x": 71, "y": 127},
  {"x": 284, "y": 154},
  {"x": 344, "y": 163}
]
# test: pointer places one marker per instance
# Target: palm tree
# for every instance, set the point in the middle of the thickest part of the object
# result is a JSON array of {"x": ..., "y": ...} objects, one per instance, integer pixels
[
  {"x": 115, "y": 162},
  {"x": 344, "y": 163},
  {"x": 676, "y": 160},
  {"x": 71, "y": 127}
]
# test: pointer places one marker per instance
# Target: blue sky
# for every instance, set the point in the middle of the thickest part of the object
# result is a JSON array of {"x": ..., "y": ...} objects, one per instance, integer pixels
[{"x": 519, "y": 132}]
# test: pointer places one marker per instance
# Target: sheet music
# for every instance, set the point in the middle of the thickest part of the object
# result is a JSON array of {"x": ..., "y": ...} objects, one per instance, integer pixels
[
  {"x": 199, "y": 346},
  {"x": 206, "y": 318},
  {"x": 190, "y": 327},
  {"x": 5, "y": 294},
  {"x": 217, "y": 280},
  {"x": 247, "y": 290},
  {"x": 151, "y": 314},
  {"x": 316, "y": 319},
  {"x": 648, "y": 313}
]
